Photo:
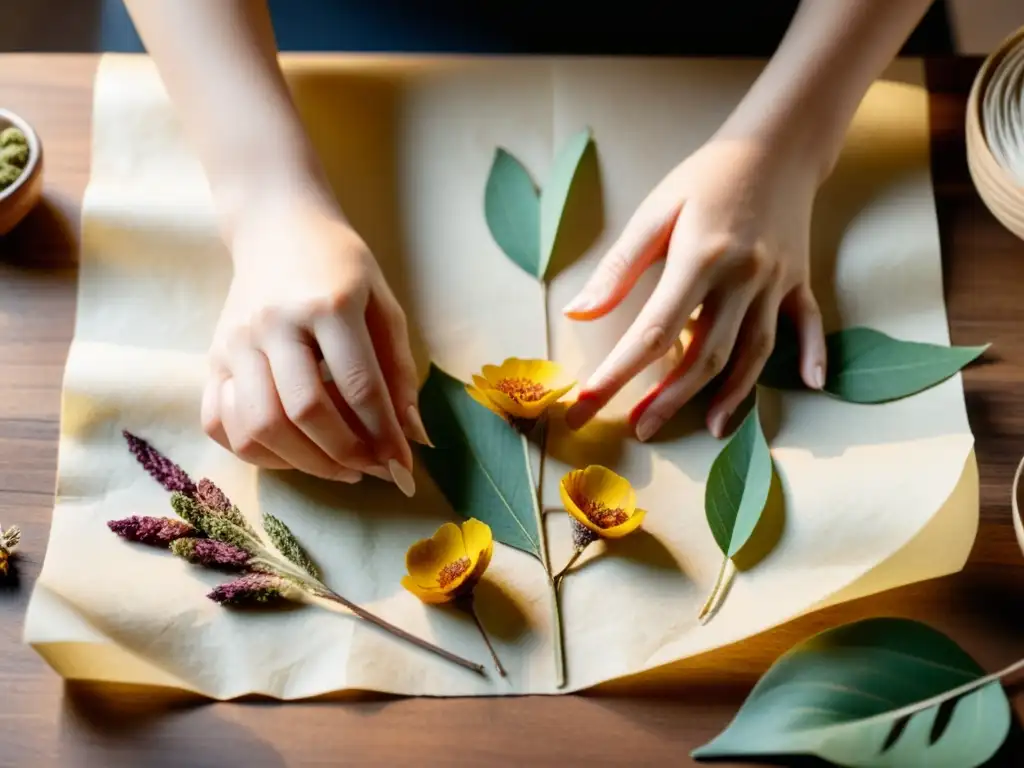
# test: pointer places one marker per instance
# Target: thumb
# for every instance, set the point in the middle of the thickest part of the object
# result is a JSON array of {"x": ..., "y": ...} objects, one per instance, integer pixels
[
  {"x": 644, "y": 240},
  {"x": 803, "y": 309}
]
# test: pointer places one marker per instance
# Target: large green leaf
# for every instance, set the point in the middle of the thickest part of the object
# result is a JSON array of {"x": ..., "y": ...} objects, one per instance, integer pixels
[
  {"x": 512, "y": 209},
  {"x": 478, "y": 463},
  {"x": 524, "y": 222},
  {"x": 869, "y": 695},
  {"x": 738, "y": 485},
  {"x": 868, "y": 366},
  {"x": 555, "y": 194}
]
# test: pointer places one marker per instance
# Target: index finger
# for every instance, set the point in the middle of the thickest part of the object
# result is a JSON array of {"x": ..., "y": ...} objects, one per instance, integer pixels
[
  {"x": 650, "y": 337},
  {"x": 352, "y": 361}
]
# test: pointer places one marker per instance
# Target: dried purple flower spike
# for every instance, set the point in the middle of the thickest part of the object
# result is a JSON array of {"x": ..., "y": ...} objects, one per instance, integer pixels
[
  {"x": 211, "y": 496},
  {"x": 155, "y": 531},
  {"x": 212, "y": 554},
  {"x": 252, "y": 589},
  {"x": 163, "y": 470}
]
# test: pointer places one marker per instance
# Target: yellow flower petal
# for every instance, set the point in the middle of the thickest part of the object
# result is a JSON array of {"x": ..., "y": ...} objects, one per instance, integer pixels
[
  {"x": 570, "y": 504},
  {"x": 601, "y": 485},
  {"x": 484, "y": 400},
  {"x": 626, "y": 528},
  {"x": 431, "y": 596},
  {"x": 505, "y": 403},
  {"x": 553, "y": 395},
  {"x": 479, "y": 548},
  {"x": 493, "y": 374},
  {"x": 427, "y": 557}
]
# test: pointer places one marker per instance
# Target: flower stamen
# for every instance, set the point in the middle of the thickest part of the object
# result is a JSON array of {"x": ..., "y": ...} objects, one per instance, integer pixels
[
  {"x": 522, "y": 390},
  {"x": 452, "y": 571},
  {"x": 601, "y": 515}
]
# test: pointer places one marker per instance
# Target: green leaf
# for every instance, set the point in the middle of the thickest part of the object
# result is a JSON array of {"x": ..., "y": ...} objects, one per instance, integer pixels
[
  {"x": 282, "y": 537},
  {"x": 479, "y": 463},
  {"x": 738, "y": 485},
  {"x": 512, "y": 209},
  {"x": 523, "y": 222},
  {"x": 868, "y": 366},
  {"x": 869, "y": 695},
  {"x": 555, "y": 195}
]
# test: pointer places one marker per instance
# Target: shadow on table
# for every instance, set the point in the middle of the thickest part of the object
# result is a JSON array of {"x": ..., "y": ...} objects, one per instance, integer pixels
[
  {"x": 160, "y": 728},
  {"x": 47, "y": 239}
]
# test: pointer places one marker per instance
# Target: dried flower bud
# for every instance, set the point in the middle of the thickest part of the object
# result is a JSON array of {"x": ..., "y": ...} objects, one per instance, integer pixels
[
  {"x": 282, "y": 538},
  {"x": 211, "y": 554},
  {"x": 224, "y": 530},
  {"x": 189, "y": 510},
  {"x": 154, "y": 531},
  {"x": 10, "y": 538},
  {"x": 9, "y": 541},
  {"x": 215, "y": 501},
  {"x": 212, "y": 497},
  {"x": 15, "y": 154},
  {"x": 254, "y": 588},
  {"x": 162, "y": 469},
  {"x": 13, "y": 136},
  {"x": 9, "y": 174},
  {"x": 582, "y": 537}
]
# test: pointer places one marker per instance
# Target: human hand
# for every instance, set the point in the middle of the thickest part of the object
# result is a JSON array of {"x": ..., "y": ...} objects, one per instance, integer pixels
[
  {"x": 732, "y": 223},
  {"x": 306, "y": 286}
]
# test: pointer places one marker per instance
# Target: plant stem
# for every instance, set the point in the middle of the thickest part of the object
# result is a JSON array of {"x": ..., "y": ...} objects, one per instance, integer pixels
[
  {"x": 399, "y": 632},
  {"x": 572, "y": 561},
  {"x": 318, "y": 588},
  {"x": 725, "y": 576},
  {"x": 468, "y": 606},
  {"x": 556, "y": 609}
]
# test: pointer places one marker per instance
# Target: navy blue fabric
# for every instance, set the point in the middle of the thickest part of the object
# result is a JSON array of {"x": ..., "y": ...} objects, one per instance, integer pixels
[{"x": 634, "y": 27}]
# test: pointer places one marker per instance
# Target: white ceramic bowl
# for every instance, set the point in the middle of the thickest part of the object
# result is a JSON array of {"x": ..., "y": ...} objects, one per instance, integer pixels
[{"x": 21, "y": 197}]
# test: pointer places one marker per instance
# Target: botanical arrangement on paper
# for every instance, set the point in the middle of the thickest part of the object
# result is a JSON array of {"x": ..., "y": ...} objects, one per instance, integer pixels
[{"x": 866, "y": 694}]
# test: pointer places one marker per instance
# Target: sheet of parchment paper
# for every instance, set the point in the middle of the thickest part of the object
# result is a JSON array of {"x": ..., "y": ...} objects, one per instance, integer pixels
[{"x": 874, "y": 496}]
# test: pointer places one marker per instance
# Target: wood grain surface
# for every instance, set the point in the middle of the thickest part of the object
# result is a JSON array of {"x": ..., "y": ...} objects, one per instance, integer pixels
[{"x": 44, "y": 722}]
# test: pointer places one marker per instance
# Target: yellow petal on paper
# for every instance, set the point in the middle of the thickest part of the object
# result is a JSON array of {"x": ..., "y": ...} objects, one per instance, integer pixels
[
  {"x": 427, "y": 558},
  {"x": 433, "y": 596}
]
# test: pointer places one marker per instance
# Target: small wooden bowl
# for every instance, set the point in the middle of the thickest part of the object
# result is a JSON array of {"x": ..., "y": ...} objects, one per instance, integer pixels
[
  {"x": 1000, "y": 191},
  {"x": 21, "y": 197}
]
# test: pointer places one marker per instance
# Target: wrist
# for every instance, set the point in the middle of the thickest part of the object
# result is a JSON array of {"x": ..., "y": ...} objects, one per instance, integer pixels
[{"x": 270, "y": 190}]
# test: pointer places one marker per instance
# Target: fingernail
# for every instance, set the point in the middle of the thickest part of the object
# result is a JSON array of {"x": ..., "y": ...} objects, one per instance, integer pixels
[
  {"x": 381, "y": 473},
  {"x": 581, "y": 303},
  {"x": 649, "y": 424},
  {"x": 582, "y": 410},
  {"x": 348, "y": 476},
  {"x": 719, "y": 423},
  {"x": 402, "y": 477},
  {"x": 414, "y": 427},
  {"x": 819, "y": 377}
]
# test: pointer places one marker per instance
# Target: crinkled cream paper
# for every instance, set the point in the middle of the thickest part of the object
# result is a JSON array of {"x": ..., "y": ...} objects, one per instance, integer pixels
[{"x": 875, "y": 496}]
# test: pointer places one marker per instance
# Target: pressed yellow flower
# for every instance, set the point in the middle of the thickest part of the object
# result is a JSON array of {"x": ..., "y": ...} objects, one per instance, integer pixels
[
  {"x": 601, "y": 501},
  {"x": 446, "y": 567},
  {"x": 520, "y": 390},
  {"x": 450, "y": 563}
]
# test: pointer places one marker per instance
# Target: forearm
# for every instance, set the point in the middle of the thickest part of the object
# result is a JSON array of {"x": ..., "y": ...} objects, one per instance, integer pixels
[
  {"x": 809, "y": 91},
  {"x": 218, "y": 61}
]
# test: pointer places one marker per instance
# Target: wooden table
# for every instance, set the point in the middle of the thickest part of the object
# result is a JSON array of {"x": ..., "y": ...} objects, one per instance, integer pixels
[{"x": 45, "y": 722}]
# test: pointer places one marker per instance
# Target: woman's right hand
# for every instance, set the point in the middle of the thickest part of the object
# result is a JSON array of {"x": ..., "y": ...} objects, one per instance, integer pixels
[{"x": 306, "y": 288}]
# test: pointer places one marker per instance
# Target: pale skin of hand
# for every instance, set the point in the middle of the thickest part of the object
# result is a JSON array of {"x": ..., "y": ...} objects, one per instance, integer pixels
[
  {"x": 732, "y": 224},
  {"x": 305, "y": 284}
]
